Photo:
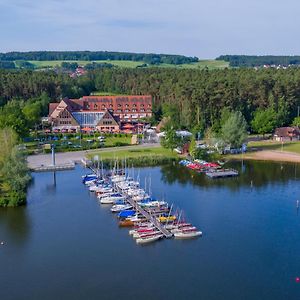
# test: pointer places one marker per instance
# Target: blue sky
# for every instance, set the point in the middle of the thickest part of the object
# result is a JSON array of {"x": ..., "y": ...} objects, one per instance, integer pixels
[{"x": 191, "y": 27}]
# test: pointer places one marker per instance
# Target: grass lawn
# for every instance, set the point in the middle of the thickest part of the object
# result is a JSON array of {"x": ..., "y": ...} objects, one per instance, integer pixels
[
  {"x": 134, "y": 153},
  {"x": 273, "y": 145},
  {"x": 210, "y": 64}
]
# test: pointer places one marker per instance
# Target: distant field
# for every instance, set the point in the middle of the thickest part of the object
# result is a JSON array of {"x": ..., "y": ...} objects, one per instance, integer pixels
[
  {"x": 55, "y": 63},
  {"x": 202, "y": 64},
  {"x": 210, "y": 64}
]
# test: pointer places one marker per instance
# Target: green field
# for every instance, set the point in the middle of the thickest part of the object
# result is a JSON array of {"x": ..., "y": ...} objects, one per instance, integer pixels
[
  {"x": 210, "y": 64},
  {"x": 57, "y": 63},
  {"x": 134, "y": 153},
  {"x": 273, "y": 145}
]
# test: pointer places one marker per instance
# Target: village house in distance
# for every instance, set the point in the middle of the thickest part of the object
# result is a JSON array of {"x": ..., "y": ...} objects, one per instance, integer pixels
[{"x": 100, "y": 113}]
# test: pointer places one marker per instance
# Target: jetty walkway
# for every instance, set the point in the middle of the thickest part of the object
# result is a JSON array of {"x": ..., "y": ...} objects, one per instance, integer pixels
[{"x": 150, "y": 218}]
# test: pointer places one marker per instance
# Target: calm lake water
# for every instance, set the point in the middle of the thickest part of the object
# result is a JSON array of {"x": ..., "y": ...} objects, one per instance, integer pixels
[{"x": 64, "y": 245}]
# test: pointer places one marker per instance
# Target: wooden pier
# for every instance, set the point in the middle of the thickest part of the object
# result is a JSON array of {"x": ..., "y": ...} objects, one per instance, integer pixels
[
  {"x": 149, "y": 217},
  {"x": 222, "y": 173}
]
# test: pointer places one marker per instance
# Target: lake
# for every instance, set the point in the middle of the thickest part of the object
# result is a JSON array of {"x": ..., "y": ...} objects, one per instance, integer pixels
[{"x": 64, "y": 245}]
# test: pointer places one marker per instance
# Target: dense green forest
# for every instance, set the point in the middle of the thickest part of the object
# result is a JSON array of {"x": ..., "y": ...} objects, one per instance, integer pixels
[
  {"x": 97, "y": 55},
  {"x": 193, "y": 99},
  {"x": 258, "y": 61}
]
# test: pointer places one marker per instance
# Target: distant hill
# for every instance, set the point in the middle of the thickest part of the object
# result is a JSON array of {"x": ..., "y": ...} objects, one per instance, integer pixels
[
  {"x": 259, "y": 61},
  {"x": 152, "y": 59}
]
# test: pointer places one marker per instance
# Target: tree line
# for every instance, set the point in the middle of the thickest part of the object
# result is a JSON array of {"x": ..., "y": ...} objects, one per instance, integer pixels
[
  {"x": 14, "y": 174},
  {"x": 259, "y": 61},
  {"x": 191, "y": 99},
  {"x": 97, "y": 55}
]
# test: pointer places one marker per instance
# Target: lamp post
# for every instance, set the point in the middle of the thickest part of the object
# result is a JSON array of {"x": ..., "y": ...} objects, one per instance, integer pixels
[{"x": 53, "y": 154}]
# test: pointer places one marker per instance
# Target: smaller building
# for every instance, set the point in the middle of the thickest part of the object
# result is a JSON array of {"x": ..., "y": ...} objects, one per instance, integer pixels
[{"x": 287, "y": 134}]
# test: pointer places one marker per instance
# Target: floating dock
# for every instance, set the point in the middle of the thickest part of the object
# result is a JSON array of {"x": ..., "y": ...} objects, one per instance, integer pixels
[
  {"x": 222, "y": 173},
  {"x": 51, "y": 168}
]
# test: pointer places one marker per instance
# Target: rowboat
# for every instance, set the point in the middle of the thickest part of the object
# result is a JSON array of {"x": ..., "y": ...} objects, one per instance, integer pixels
[{"x": 149, "y": 239}]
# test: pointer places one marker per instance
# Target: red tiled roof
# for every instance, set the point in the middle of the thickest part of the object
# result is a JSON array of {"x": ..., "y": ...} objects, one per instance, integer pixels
[
  {"x": 287, "y": 131},
  {"x": 52, "y": 107}
]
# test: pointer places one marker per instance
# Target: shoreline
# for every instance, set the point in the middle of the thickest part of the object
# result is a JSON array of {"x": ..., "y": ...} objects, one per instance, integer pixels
[{"x": 268, "y": 155}]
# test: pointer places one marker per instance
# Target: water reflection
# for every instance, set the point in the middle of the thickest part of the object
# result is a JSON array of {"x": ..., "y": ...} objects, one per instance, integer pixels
[
  {"x": 51, "y": 186},
  {"x": 15, "y": 223},
  {"x": 254, "y": 174}
]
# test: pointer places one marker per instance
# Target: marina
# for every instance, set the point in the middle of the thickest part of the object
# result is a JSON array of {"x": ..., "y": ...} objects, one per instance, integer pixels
[
  {"x": 211, "y": 169},
  {"x": 151, "y": 219}
]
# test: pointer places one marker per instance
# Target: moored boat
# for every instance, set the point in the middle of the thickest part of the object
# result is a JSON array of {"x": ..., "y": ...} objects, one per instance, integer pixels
[
  {"x": 126, "y": 223},
  {"x": 149, "y": 239},
  {"x": 187, "y": 234}
]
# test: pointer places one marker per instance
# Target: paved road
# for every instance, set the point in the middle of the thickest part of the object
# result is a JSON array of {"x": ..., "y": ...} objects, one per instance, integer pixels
[{"x": 74, "y": 156}]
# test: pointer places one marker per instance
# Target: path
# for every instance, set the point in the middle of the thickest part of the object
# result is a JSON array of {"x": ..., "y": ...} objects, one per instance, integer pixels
[
  {"x": 271, "y": 155},
  {"x": 38, "y": 160}
]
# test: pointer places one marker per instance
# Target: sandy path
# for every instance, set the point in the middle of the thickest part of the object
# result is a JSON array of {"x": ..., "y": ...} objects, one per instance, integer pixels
[{"x": 272, "y": 155}]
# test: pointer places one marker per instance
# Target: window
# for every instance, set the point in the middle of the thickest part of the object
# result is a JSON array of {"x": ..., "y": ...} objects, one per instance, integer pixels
[{"x": 95, "y": 106}]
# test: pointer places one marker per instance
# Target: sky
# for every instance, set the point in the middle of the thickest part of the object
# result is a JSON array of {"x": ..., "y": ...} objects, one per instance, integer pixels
[{"x": 205, "y": 29}]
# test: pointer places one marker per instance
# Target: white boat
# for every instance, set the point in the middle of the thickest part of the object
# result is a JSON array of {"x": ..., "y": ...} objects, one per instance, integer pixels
[
  {"x": 90, "y": 182},
  {"x": 153, "y": 203},
  {"x": 183, "y": 229},
  {"x": 106, "y": 194},
  {"x": 140, "y": 197},
  {"x": 96, "y": 188},
  {"x": 135, "y": 218},
  {"x": 141, "y": 226},
  {"x": 120, "y": 207},
  {"x": 149, "y": 239},
  {"x": 110, "y": 200},
  {"x": 187, "y": 234},
  {"x": 147, "y": 232},
  {"x": 177, "y": 226},
  {"x": 118, "y": 178}
]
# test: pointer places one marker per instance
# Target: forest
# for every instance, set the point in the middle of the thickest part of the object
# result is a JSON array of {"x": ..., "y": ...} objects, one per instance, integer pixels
[
  {"x": 97, "y": 55},
  {"x": 192, "y": 99},
  {"x": 259, "y": 61}
]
